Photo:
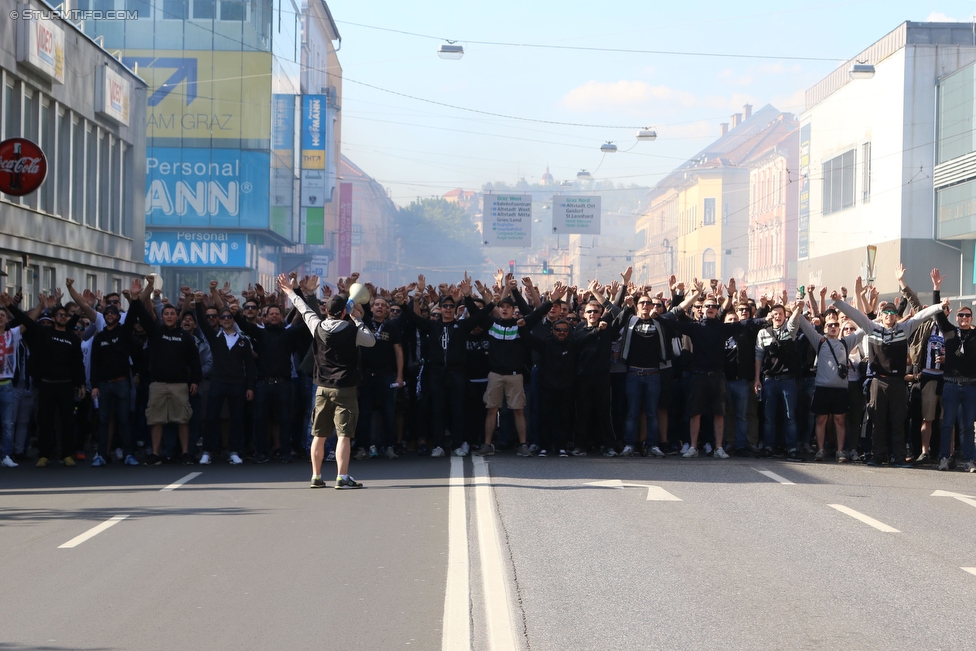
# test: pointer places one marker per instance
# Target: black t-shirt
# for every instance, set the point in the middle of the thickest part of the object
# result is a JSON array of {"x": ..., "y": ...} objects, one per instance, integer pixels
[
  {"x": 381, "y": 358},
  {"x": 645, "y": 345}
]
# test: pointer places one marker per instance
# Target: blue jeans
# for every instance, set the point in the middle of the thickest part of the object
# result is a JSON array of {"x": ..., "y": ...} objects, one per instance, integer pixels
[
  {"x": 737, "y": 393},
  {"x": 114, "y": 398},
  {"x": 776, "y": 392},
  {"x": 642, "y": 391},
  {"x": 959, "y": 403},
  {"x": 8, "y": 413}
]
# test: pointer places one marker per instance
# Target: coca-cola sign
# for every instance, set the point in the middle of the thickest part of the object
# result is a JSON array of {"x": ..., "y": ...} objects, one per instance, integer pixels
[{"x": 22, "y": 167}]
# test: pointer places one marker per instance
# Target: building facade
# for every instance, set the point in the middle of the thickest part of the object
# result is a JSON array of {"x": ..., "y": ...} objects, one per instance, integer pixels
[
  {"x": 868, "y": 158},
  {"x": 372, "y": 226},
  {"x": 86, "y": 111},
  {"x": 231, "y": 132}
]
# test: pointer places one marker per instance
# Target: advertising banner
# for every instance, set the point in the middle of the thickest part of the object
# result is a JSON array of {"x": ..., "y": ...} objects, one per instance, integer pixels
[
  {"x": 206, "y": 94},
  {"x": 196, "y": 249},
  {"x": 507, "y": 220},
  {"x": 207, "y": 187},
  {"x": 41, "y": 46},
  {"x": 313, "y": 132},
  {"x": 283, "y": 130},
  {"x": 112, "y": 95},
  {"x": 803, "y": 213},
  {"x": 579, "y": 215},
  {"x": 344, "y": 256}
]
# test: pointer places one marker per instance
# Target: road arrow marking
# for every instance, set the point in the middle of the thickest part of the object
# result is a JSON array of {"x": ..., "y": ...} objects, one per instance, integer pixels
[
  {"x": 654, "y": 493},
  {"x": 966, "y": 499}
]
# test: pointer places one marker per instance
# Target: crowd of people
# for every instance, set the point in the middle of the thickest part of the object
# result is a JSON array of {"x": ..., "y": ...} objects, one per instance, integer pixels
[{"x": 613, "y": 369}]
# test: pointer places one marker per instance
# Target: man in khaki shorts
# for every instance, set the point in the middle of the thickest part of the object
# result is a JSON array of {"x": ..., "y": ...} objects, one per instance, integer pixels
[
  {"x": 174, "y": 364},
  {"x": 336, "y": 342},
  {"x": 507, "y": 350}
]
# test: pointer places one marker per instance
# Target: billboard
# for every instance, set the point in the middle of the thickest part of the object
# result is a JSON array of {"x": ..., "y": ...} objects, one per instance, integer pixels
[
  {"x": 206, "y": 94},
  {"x": 112, "y": 95},
  {"x": 507, "y": 220},
  {"x": 313, "y": 132},
  {"x": 227, "y": 188},
  {"x": 196, "y": 249},
  {"x": 41, "y": 46},
  {"x": 579, "y": 215}
]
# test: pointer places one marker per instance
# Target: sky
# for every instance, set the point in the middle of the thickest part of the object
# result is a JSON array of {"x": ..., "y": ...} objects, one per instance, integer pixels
[{"x": 559, "y": 105}]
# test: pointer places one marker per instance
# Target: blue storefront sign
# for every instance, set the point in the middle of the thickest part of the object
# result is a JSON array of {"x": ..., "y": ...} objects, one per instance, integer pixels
[
  {"x": 196, "y": 249},
  {"x": 227, "y": 188},
  {"x": 313, "y": 132}
]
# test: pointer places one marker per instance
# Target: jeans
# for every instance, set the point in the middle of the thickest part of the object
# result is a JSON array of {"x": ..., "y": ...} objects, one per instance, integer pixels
[
  {"x": 737, "y": 394},
  {"x": 376, "y": 394},
  {"x": 113, "y": 398},
  {"x": 24, "y": 413},
  {"x": 776, "y": 392},
  {"x": 642, "y": 391},
  {"x": 277, "y": 395},
  {"x": 234, "y": 395},
  {"x": 8, "y": 414},
  {"x": 959, "y": 403}
]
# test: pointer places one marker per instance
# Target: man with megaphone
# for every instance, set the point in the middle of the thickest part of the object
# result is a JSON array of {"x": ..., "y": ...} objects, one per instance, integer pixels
[{"x": 336, "y": 342}]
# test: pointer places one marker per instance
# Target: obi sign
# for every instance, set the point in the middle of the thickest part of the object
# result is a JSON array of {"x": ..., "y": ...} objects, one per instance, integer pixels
[
  {"x": 41, "y": 46},
  {"x": 196, "y": 249},
  {"x": 207, "y": 187}
]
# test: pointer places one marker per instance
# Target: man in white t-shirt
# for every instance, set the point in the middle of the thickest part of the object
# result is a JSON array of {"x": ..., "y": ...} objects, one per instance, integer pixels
[{"x": 9, "y": 343}]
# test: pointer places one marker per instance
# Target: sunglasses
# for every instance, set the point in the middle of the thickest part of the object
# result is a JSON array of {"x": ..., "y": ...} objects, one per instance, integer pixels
[
  {"x": 967, "y": 315},
  {"x": 211, "y": 316},
  {"x": 712, "y": 306},
  {"x": 889, "y": 311},
  {"x": 563, "y": 330},
  {"x": 226, "y": 317},
  {"x": 114, "y": 301},
  {"x": 743, "y": 309},
  {"x": 644, "y": 302},
  {"x": 658, "y": 305},
  {"x": 832, "y": 325},
  {"x": 250, "y": 307},
  {"x": 593, "y": 311}
]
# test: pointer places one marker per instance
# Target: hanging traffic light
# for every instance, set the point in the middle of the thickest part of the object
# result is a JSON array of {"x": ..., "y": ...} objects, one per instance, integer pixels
[
  {"x": 545, "y": 267},
  {"x": 511, "y": 266}
]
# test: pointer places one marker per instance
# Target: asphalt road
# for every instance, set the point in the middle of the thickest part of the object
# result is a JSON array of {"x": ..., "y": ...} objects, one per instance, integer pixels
[{"x": 518, "y": 554}]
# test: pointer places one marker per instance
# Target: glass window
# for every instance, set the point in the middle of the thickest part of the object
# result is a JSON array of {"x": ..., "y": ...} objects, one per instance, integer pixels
[
  {"x": 104, "y": 180},
  {"x": 708, "y": 264},
  {"x": 709, "y": 212},
  {"x": 142, "y": 7},
  {"x": 63, "y": 207},
  {"x": 125, "y": 213},
  {"x": 30, "y": 286},
  {"x": 14, "y": 279},
  {"x": 49, "y": 280},
  {"x": 115, "y": 188},
  {"x": 204, "y": 9},
  {"x": 45, "y": 194},
  {"x": 78, "y": 177},
  {"x": 91, "y": 282},
  {"x": 91, "y": 176},
  {"x": 233, "y": 10},
  {"x": 175, "y": 10},
  {"x": 104, "y": 5},
  {"x": 29, "y": 130},
  {"x": 11, "y": 110},
  {"x": 866, "y": 172},
  {"x": 838, "y": 183},
  {"x": 956, "y": 107}
]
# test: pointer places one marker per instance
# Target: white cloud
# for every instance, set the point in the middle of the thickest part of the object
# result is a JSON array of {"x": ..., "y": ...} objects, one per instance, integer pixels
[
  {"x": 631, "y": 96},
  {"x": 939, "y": 17},
  {"x": 793, "y": 103}
]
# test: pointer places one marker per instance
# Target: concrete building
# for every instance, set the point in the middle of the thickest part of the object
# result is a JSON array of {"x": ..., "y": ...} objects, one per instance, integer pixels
[
  {"x": 86, "y": 111},
  {"x": 241, "y": 154},
  {"x": 868, "y": 153},
  {"x": 697, "y": 220}
]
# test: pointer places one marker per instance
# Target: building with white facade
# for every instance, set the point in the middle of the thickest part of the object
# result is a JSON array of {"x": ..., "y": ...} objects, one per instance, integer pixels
[{"x": 867, "y": 159}]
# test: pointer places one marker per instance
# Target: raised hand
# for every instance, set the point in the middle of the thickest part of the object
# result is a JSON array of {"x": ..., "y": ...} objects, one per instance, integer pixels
[
  {"x": 627, "y": 274},
  {"x": 823, "y": 291},
  {"x": 284, "y": 284},
  {"x": 326, "y": 291},
  {"x": 731, "y": 287},
  {"x": 937, "y": 279},
  {"x": 834, "y": 296},
  {"x": 259, "y": 290},
  {"x": 313, "y": 284},
  {"x": 900, "y": 272},
  {"x": 69, "y": 283}
]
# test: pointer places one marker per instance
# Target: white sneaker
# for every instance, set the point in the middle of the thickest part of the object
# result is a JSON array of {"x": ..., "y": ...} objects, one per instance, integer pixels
[
  {"x": 684, "y": 449},
  {"x": 655, "y": 451},
  {"x": 205, "y": 459},
  {"x": 437, "y": 452},
  {"x": 330, "y": 456},
  {"x": 118, "y": 454},
  {"x": 628, "y": 451},
  {"x": 466, "y": 447},
  {"x": 691, "y": 453},
  {"x": 720, "y": 453},
  {"x": 391, "y": 453},
  {"x": 235, "y": 460},
  {"x": 708, "y": 448},
  {"x": 460, "y": 452},
  {"x": 7, "y": 462}
]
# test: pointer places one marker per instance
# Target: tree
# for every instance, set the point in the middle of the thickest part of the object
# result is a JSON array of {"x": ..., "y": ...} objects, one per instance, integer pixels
[{"x": 438, "y": 238}]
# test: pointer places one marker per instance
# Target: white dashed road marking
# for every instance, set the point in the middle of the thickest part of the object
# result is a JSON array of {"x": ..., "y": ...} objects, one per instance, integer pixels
[
  {"x": 772, "y": 475},
  {"x": 94, "y": 531},
  {"x": 179, "y": 482},
  {"x": 880, "y": 526}
]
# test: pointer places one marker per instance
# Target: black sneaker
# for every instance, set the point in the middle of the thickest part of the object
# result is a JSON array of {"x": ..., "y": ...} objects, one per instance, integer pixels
[
  {"x": 793, "y": 454},
  {"x": 317, "y": 482},
  {"x": 343, "y": 484},
  {"x": 765, "y": 453},
  {"x": 261, "y": 457},
  {"x": 188, "y": 459},
  {"x": 153, "y": 460},
  {"x": 422, "y": 451}
]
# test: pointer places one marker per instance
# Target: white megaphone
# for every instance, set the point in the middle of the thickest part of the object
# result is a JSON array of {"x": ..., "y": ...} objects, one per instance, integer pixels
[{"x": 358, "y": 294}]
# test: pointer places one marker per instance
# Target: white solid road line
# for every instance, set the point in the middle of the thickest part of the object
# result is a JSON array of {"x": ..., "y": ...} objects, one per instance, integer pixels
[
  {"x": 457, "y": 617},
  {"x": 880, "y": 526},
  {"x": 501, "y": 633},
  {"x": 179, "y": 482},
  {"x": 971, "y": 570},
  {"x": 772, "y": 475},
  {"x": 94, "y": 531}
]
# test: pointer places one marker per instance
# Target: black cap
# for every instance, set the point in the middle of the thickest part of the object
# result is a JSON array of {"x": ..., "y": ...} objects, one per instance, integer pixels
[
  {"x": 507, "y": 299},
  {"x": 336, "y": 305},
  {"x": 113, "y": 308},
  {"x": 447, "y": 299}
]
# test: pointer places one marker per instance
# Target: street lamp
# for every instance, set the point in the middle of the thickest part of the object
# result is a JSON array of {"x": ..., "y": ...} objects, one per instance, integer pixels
[
  {"x": 583, "y": 175},
  {"x": 450, "y": 50},
  {"x": 647, "y": 134},
  {"x": 608, "y": 148},
  {"x": 862, "y": 70}
]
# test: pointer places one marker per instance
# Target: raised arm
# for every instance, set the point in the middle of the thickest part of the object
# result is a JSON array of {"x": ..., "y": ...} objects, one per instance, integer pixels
[
  {"x": 311, "y": 320},
  {"x": 856, "y": 315},
  {"x": 86, "y": 309}
]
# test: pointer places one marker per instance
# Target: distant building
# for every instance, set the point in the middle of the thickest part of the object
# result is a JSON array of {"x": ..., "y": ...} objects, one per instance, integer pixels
[
  {"x": 87, "y": 112},
  {"x": 467, "y": 199},
  {"x": 773, "y": 193},
  {"x": 373, "y": 224},
  {"x": 546, "y": 178},
  {"x": 870, "y": 164}
]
